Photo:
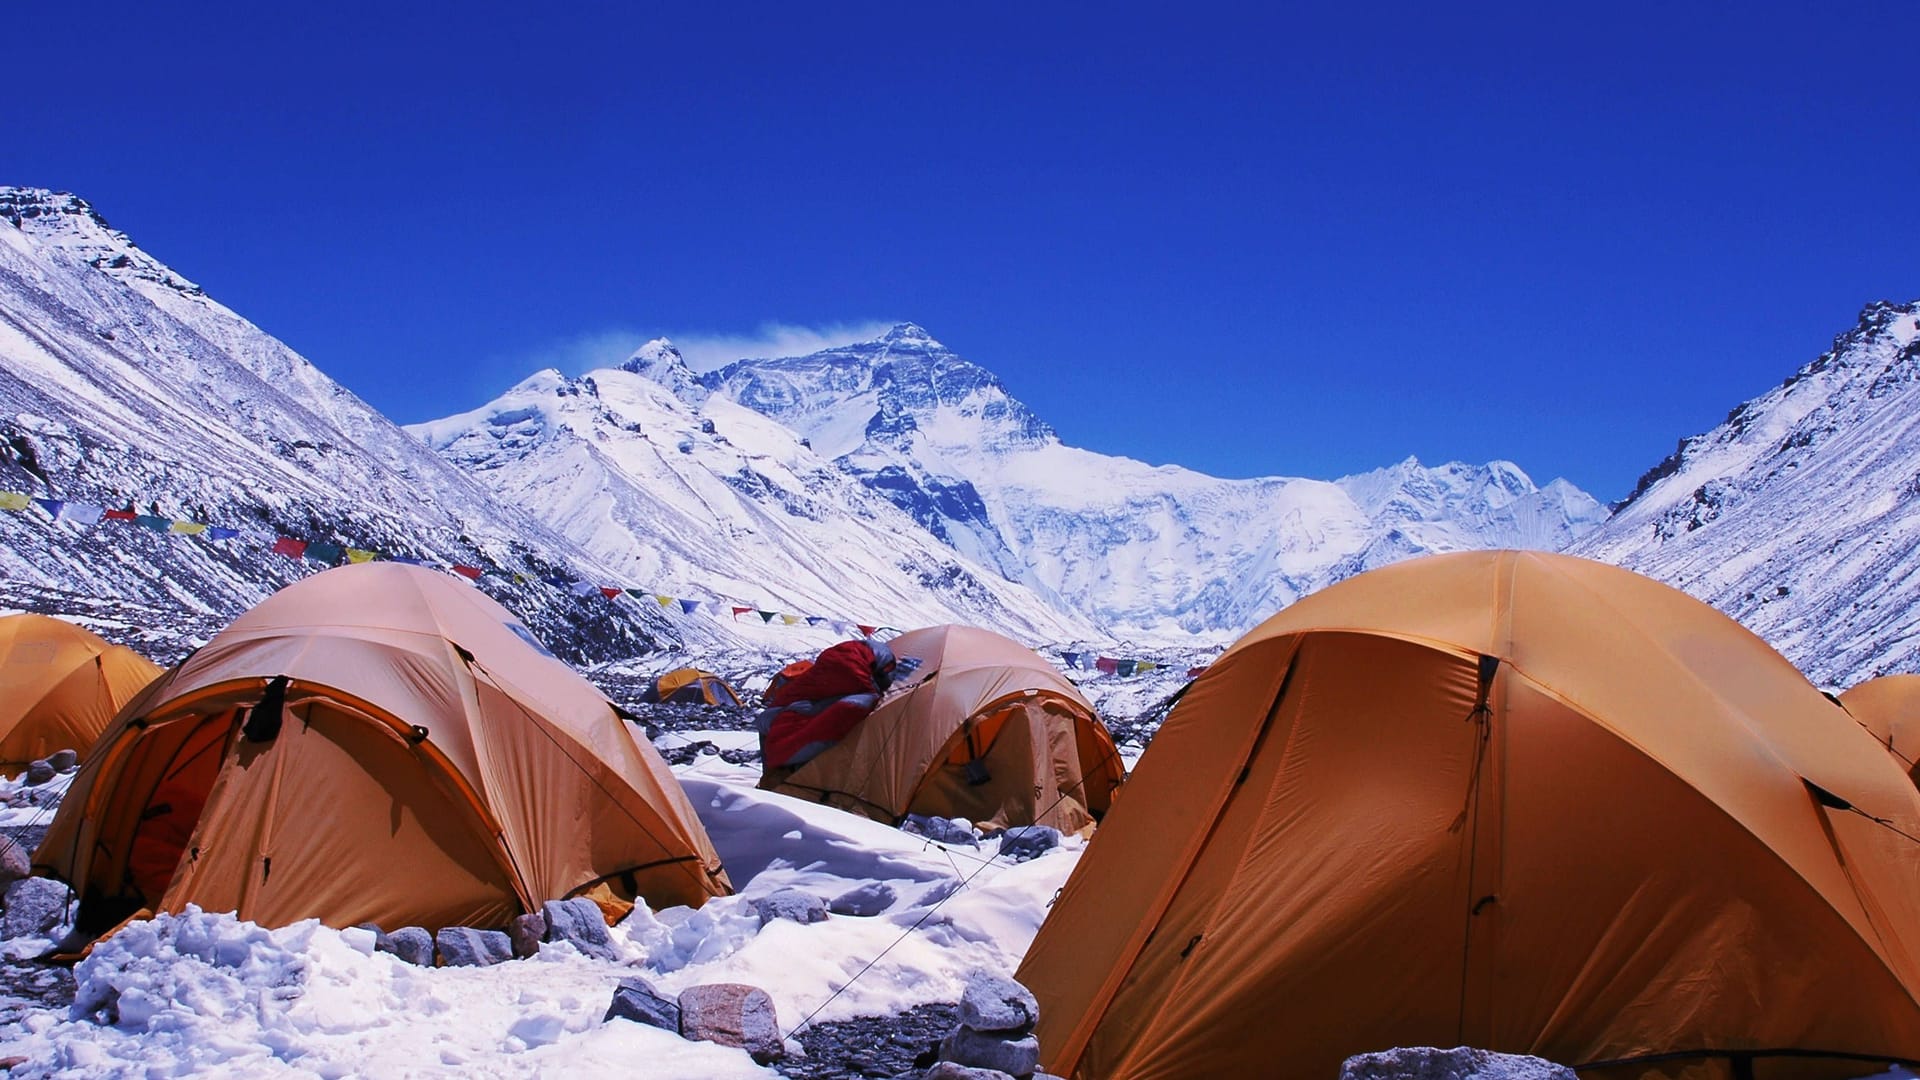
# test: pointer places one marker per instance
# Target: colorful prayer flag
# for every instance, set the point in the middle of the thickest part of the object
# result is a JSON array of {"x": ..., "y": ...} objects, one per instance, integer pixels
[
  {"x": 1196, "y": 672},
  {"x": 689, "y": 606},
  {"x": 1106, "y": 665},
  {"x": 355, "y": 555},
  {"x": 288, "y": 546},
  {"x": 120, "y": 515},
  {"x": 471, "y": 573},
  {"x": 14, "y": 500},
  {"x": 221, "y": 533},
  {"x": 51, "y": 506},
  {"x": 610, "y": 592},
  {"x": 189, "y": 528},
  {"x": 84, "y": 513},
  {"x": 326, "y": 553},
  {"x": 866, "y": 631},
  {"x": 766, "y": 616},
  {"x": 154, "y": 523},
  {"x": 1071, "y": 659},
  {"x": 790, "y": 620},
  {"x": 1123, "y": 668},
  {"x": 816, "y": 620},
  {"x": 1144, "y": 666},
  {"x": 557, "y": 580},
  {"x": 739, "y": 611},
  {"x": 664, "y": 601},
  {"x": 408, "y": 559}
]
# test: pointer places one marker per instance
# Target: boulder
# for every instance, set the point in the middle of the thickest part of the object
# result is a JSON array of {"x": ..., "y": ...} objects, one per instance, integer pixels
[
  {"x": 944, "y": 830},
  {"x": 1028, "y": 841},
  {"x": 732, "y": 1014},
  {"x": 991, "y": 1050},
  {"x": 409, "y": 943},
  {"x": 526, "y": 932},
  {"x": 791, "y": 904},
  {"x": 635, "y": 999},
  {"x": 463, "y": 946},
  {"x": 996, "y": 1003},
  {"x": 1459, "y": 1063},
  {"x": 947, "y": 1070},
  {"x": 35, "y": 905},
  {"x": 15, "y": 861},
  {"x": 64, "y": 760},
  {"x": 581, "y": 923},
  {"x": 864, "y": 901},
  {"x": 40, "y": 771}
]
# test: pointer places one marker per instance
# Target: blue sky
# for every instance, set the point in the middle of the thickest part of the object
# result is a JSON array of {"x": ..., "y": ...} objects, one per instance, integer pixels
[{"x": 1249, "y": 240}]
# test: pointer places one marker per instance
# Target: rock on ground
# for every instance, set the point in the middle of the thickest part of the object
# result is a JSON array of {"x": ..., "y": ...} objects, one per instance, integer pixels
[
  {"x": 410, "y": 943},
  {"x": 35, "y": 906},
  {"x": 635, "y": 999},
  {"x": 947, "y": 1070},
  {"x": 793, "y": 904},
  {"x": 996, "y": 1003},
  {"x": 526, "y": 932},
  {"x": 732, "y": 1014},
  {"x": 991, "y": 1050},
  {"x": 1023, "y": 842},
  {"x": 581, "y": 923},
  {"x": 1459, "y": 1063},
  {"x": 463, "y": 946},
  {"x": 882, "y": 1046}
]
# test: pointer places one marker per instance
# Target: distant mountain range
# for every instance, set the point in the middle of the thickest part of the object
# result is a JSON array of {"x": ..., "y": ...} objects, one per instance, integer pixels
[{"x": 886, "y": 482}]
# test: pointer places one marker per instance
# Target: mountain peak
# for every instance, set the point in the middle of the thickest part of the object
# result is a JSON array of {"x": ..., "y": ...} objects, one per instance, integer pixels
[
  {"x": 61, "y": 219},
  {"x": 907, "y": 333},
  {"x": 659, "y": 361}
]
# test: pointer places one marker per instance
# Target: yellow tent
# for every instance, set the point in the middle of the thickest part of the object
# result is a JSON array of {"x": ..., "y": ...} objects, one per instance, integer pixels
[
  {"x": 1509, "y": 800},
  {"x": 59, "y": 687},
  {"x": 1889, "y": 707},
  {"x": 378, "y": 743},
  {"x": 690, "y": 686},
  {"x": 976, "y": 726}
]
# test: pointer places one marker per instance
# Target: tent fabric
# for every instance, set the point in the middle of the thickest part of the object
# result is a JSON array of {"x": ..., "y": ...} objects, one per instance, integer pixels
[
  {"x": 968, "y": 698},
  {"x": 690, "y": 686},
  {"x": 377, "y": 743},
  {"x": 60, "y": 686},
  {"x": 1889, "y": 707},
  {"x": 1509, "y": 800}
]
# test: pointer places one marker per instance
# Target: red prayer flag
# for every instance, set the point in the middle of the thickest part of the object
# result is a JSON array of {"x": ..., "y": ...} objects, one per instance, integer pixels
[
  {"x": 610, "y": 592},
  {"x": 739, "y": 611},
  {"x": 866, "y": 631},
  {"x": 1107, "y": 665},
  {"x": 1196, "y": 672},
  {"x": 286, "y": 545},
  {"x": 472, "y": 573},
  {"x": 120, "y": 515}
]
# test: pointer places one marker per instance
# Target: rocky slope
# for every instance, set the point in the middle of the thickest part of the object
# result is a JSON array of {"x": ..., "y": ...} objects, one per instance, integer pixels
[
  {"x": 1800, "y": 514},
  {"x": 124, "y": 386}
]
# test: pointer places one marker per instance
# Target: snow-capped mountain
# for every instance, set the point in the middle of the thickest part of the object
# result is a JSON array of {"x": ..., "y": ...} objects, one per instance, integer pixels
[
  {"x": 123, "y": 385},
  {"x": 1157, "y": 552},
  {"x": 699, "y": 497},
  {"x": 1800, "y": 515}
]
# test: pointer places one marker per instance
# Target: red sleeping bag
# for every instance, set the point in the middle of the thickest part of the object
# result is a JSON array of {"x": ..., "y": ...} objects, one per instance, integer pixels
[{"x": 817, "y": 708}]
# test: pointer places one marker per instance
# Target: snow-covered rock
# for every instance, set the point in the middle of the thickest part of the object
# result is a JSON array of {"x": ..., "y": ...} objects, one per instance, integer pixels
[{"x": 1458, "y": 1063}]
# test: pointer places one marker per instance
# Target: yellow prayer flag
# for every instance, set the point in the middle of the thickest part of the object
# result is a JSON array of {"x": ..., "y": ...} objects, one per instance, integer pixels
[
  {"x": 790, "y": 619},
  {"x": 355, "y": 555},
  {"x": 13, "y": 500},
  {"x": 188, "y": 528},
  {"x": 665, "y": 601}
]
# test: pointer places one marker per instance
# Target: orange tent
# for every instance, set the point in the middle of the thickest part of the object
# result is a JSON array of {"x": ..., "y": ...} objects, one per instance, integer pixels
[
  {"x": 378, "y": 743},
  {"x": 60, "y": 685},
  {"x": 1890, "y": 708},
  {"x": 1510, "y": 800},
  {"x": 976, "y": 726},
  {"x": 690, "y": 686}
]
